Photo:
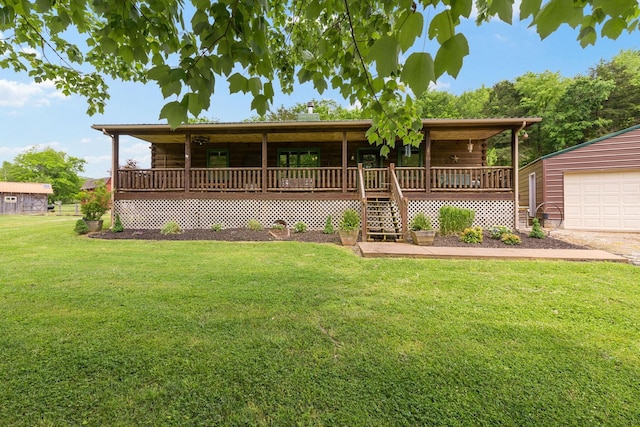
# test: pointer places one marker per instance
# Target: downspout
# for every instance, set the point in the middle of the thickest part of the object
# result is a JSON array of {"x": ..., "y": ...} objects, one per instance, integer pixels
[{"x": 516, "y": 165}]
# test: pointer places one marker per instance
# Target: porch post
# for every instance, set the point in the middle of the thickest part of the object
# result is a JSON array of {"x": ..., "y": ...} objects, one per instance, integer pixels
[
  {"x": 264, "y": 163},
  {"x": 115, "y": 159},
  {"x": 187, "y": 163},
  {"x": 344, "y": 162},
  {"x": 427, "y": 161},
  {"x": 515, "y": 162}
]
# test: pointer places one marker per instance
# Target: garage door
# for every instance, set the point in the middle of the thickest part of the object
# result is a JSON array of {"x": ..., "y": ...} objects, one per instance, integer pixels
[{"x": 608, "y": 201}]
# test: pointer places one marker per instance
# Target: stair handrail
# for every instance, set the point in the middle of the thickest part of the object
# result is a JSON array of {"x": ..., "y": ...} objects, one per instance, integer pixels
[
  {"x": 363, "y": 202},
  {"x": 401, "y": 201}
]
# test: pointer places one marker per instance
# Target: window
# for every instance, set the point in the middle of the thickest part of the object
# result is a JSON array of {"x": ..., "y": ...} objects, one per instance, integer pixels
[
  {"x": 10, "y": 199},
  {"x": 414, "y": 160},
  {"x": 299, "y": 158},
  {"x": 217, "y": 158}
]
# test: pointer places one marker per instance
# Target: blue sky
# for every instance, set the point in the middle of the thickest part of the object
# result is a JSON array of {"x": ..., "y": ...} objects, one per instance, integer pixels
[{"x": 32, "y": 114}]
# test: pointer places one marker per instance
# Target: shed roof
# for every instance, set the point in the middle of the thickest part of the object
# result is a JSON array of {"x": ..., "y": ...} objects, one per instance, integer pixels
[{"x": 25, "y": 188}]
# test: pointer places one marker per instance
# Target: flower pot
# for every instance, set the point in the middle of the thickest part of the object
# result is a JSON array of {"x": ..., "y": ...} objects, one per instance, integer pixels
[
  {"x": 423, "y": 237},
  {"x": 93, "y": 225},
  {"x": 348, "y": 237}
]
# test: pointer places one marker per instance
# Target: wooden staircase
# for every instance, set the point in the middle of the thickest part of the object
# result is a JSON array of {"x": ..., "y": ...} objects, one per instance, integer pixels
[{"x": 384, "y": 222}]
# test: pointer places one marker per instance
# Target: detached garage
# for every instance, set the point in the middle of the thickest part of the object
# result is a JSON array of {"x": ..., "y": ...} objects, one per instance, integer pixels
[{"x": 592, "y": 186}]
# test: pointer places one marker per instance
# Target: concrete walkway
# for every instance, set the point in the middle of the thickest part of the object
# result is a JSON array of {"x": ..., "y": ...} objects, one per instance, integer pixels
[{"x": 405, "y": 250}]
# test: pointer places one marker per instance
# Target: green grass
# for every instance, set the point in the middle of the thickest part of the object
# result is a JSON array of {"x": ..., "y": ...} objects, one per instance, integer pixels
[{"x": 125, "y": 333}]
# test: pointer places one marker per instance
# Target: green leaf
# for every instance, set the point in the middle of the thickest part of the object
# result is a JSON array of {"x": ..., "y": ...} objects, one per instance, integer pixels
[
  {"x": 255, "y": 86},
  {"x": 450, "y": 55},
  {"x": 529, "y": 8},
  {"x": 171, "y": 88},
  {"x": 613, "y": 28},
  {"x": 441, "y": 27},
  {"x": 238, "y": 83},
  {"x": 108, "y": 45},
  {"x": 461, "y": 8},
  {"x": 503, "y": 8},
  {"x": 418, "y": 72},
  {"x": 411, "y": 30},
  {"x": 260, "y": 104},
  {"x": 313, "y": 10},
  {"x": 194, "y": 105},
  {"x": 587, "y": 36},
  {"x": 175, "y": 113},
  {"x": 553, "y": 14},
  {"x": 385, "y": 54},
  {"x": 616, "y": 8}
]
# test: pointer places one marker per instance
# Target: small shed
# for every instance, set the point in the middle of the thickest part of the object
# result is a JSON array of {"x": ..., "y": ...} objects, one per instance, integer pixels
[
  {"x": 24, "y": 197},
  {"x": 594, "y": 186}
]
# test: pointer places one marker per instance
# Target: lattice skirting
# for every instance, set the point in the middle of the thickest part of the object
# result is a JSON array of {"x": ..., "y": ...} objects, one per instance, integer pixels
[
  {"x": 195, "y": 213},
  {"x": 488, "y": 212}
]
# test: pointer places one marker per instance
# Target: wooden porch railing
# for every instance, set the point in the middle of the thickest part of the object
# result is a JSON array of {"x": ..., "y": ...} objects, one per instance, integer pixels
[
  {"x": 488, "y": 178},
  {"x": 362, "y": 192},
  {"x": 443, "y": 179},
  {"x": 151, "y": 179},
  {"x": 401, "y": 201}
]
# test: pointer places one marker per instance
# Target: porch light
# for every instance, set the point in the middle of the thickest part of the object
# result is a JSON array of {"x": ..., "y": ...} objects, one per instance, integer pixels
[
  {"x": 470, "y": 146},
  {"x": 200, "y": 139}
]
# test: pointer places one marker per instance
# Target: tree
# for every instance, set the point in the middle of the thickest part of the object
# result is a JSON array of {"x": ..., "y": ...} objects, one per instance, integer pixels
[
  {"x": 48, "y": 166},
  {"x": 353, "y": 46},
  {"x": 327, "y": 109}
]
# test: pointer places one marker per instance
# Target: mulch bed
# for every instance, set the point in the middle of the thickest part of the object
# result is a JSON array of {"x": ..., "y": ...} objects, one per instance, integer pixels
[{"x": 265, "y": 235}]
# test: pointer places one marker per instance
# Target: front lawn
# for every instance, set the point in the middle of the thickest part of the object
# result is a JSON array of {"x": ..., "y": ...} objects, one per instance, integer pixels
[{"x": 123, "y": 333}]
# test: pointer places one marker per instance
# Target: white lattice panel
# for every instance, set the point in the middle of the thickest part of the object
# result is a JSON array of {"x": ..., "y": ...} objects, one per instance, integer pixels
[
  {"x": 488, "y": 212},
  {"x": 195, "y": 213}
]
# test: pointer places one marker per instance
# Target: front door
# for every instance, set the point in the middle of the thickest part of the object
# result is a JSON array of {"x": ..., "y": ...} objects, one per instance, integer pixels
[{"x": 369, "y": 157}]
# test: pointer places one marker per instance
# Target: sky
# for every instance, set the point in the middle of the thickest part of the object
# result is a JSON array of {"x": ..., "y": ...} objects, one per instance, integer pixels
[{"x": 37, "y": 115}]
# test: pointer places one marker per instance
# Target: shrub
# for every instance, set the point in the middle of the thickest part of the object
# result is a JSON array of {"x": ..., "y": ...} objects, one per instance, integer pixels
[
  {"x": 278, "y": 227},
  {"x": 328, "y": 226},
  {"x": 216, "y": 227},
  {"x": 117, "y": 225},
  {"x": 472, "y": 235},
  {"x": 455, "y": 220},
  {"x": 511, "y": 239},
  {"x": 498, "y": 231},
  {"x": 421, "y": 222},
  {"x": 537, "y": 232},
  {"x": 81, "y": 227},
  {"x": 350, "y": 220},
  {"x": 171, "y": 227},
  {"x": 254, "y": 224},
  {"x": 94, "y": 204},
  {"x": 300, "y": 227}
]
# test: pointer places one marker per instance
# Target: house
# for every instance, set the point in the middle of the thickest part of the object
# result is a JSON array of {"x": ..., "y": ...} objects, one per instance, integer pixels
[
  {"x": 24, "y": 197},
  {"x": 92, "y": 184},
  {"x": 591, "y": 186},
  {"x": 228, "y": 173}
]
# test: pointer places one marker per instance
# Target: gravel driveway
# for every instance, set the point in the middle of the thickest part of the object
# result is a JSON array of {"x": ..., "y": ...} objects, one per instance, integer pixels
[{"x": 624, "y": 244}]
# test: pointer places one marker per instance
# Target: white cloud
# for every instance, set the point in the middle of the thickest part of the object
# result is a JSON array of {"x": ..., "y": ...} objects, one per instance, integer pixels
[{"x": 18, "y": 95}]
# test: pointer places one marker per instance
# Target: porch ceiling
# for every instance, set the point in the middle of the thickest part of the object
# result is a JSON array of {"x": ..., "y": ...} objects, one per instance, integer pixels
[{"x": 324, "y": 131}]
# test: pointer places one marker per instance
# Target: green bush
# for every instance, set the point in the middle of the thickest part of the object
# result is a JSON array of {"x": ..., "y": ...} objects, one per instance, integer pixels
[
  {"x": 455, "y": 220},
  {"x": 94, "y": 204},
  {"x": 498, "y": 231},
  {"x": 171, "y": 227},
  {"x": 328, "y": 226},
  {"x": 300, "y": 227},
  {"x": 350, "y": 220},
  {"x": 117, "y": 225},
  {"x": 511, "y": 239},
  {"x": 472, "y": 235},
  {"x": 216, "y": 227},
  {"x": 537, "y": 232},
  {"x": 278, "y": 227},
  {"x": 81, "y": 227},
  {"x": 254, "y": 224},
  {"x": 421, "y": 222}
]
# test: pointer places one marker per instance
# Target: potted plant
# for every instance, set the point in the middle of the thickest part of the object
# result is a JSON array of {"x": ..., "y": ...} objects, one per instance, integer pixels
[
  {"x": 349, "y": 227},
  {"x": 422, "y": 233},
  {"x": 94, "y": 204}
]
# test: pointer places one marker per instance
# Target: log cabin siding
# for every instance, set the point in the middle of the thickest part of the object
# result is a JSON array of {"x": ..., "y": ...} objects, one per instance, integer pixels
[{"x": 618, "y": 151}]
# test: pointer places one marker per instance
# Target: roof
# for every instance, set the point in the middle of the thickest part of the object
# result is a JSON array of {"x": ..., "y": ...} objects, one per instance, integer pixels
[
  {"x": 440, "y": 129},
  {"x": 25, "y": 188},
  {"x": 584, "y": 144},
  {"x": 91, "y": 184}
]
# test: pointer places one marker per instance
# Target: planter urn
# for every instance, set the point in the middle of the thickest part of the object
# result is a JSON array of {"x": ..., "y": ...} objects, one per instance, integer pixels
[
  {"x": 348, "y": 237},
  {"x": 93, "y": 225}
]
